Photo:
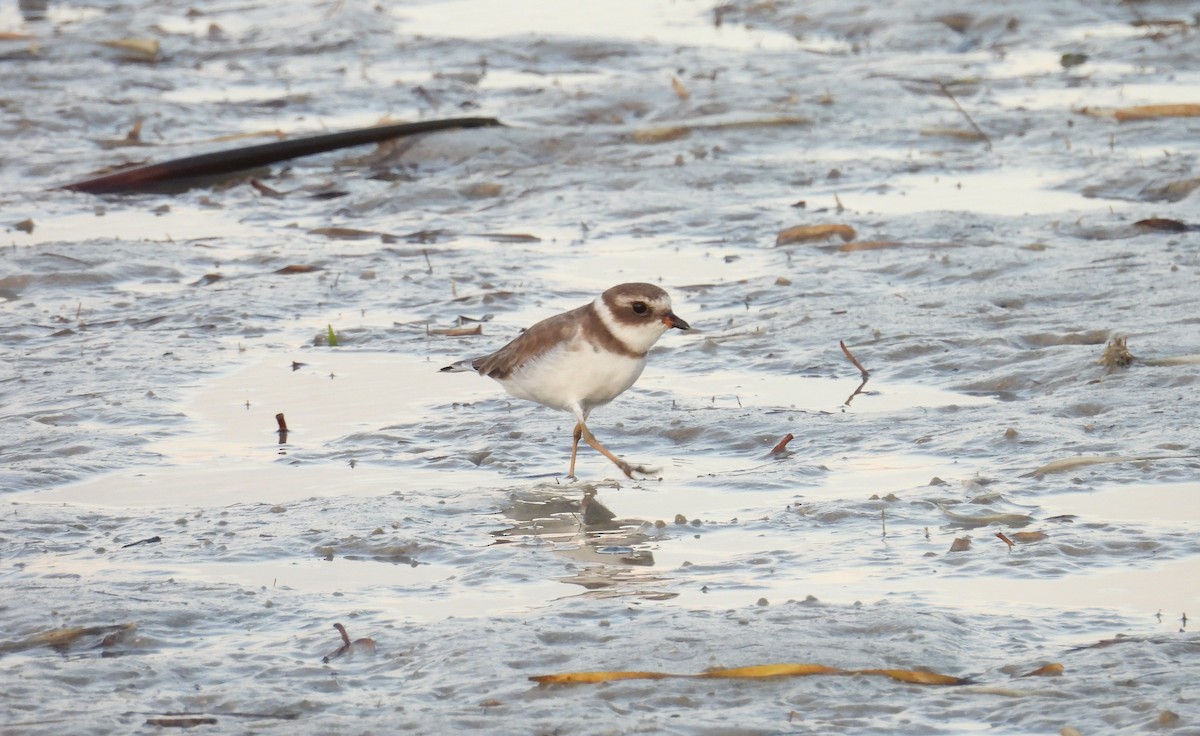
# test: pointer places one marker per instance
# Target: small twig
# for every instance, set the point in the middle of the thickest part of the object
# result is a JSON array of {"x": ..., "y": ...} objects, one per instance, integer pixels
[
  {"x": 222, "y": 714},
  {"x": 1004, "y": 538},
  {"x": 148, "y": 540},
  {"x": 189, "y": 722},
  {"x": 783, "y": 443},
  {"x": 347, "y": 645},
  {"x": 343, "y": 648},
  {"x": 883, "y": 520},
  {"x": 425, "y": 252},
  {"x": 866, "y": 375},
  {"x": 986, "y": 140},
  {"x": 283, "y": 428}
]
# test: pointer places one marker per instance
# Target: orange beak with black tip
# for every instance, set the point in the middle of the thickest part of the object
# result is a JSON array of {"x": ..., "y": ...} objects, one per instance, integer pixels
[{"x": 673, "y": 320}]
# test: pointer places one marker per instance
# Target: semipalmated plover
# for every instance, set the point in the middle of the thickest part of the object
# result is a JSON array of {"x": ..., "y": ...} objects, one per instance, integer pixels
[{"x": 584, "y": 358}]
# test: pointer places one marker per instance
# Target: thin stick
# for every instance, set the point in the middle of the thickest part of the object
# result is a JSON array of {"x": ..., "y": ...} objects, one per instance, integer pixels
[
  {"x": 783, "y": 443},
  {"x": 183, "y": 172},
  {"x": 987, "y": 141},
  {"x": 866, "y": 375},
  {"x": 343, "y": 648}
]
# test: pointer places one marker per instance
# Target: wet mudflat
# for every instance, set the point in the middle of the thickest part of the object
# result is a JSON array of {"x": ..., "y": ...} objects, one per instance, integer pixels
[{"x": 1006, "y": 213}]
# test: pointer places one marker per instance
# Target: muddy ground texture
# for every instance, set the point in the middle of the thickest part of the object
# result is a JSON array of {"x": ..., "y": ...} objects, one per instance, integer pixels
[{"x": 998, "y": 204}]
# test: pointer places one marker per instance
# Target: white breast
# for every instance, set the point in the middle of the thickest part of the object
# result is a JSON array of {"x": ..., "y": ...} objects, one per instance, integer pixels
[{"x": 575, "y": 374}]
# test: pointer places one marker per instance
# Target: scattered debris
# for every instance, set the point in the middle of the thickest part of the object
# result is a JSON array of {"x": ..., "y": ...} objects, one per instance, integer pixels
[
  {"x": 1150, "y": 112},
  {"x": 185, "y": 722},
  {"x": 763, "y": 671},
  {"x": 971, "y": 121},
  {"x": 675, "y": 132},
  {"x": 1071, "y": 463},
  {"x": 808, "y": 233},
  {"x": 1054, "y": 669},
  {"x": 458, "y": 331},
  {"x": 147, "y": 540},
  {"x": 204, "y": 169},
  {"x": 1164, "y": 225},
  {"x": 61, "y": 640},
  {"x": 349, "y": 647},
  {"x": 1116, "y": 355},
  {"x": 866, "y": 375},
  {"x": 136, "y": 49},
  {"x": 783, "y": 443}
]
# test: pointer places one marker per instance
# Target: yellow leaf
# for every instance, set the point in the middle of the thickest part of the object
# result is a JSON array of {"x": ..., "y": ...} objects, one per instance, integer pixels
[
  {"x": 458, "y": 331},
  {"x": 675, "y": 132},
  {"x": 1027, "y": 537},
  {"x": 1176, "y": 360},
  {"x": 762, "y": 122},
  {"x": 774, "y": 670},
  {"x": 915, "y": 677},
  {"x": 1070, "y": 463},
  {"x": 141, "y": 48},
  {"x": 571, "y": 678},
  {"x": 1148, "y": 112},
  {"x": 62, "y": 639},
  {"x": 1054, "y": 669},
  {"x": 751, "y": 672},
  {"x": 805, "y": 233},
  {"x": 661, "y": 135}
]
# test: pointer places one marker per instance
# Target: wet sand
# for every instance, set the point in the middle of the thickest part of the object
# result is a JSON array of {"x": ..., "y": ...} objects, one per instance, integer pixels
[{"x": 165, "y": 553}]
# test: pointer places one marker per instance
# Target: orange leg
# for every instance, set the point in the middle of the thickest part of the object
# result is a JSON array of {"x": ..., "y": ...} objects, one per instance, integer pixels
[
  {"x": 581, "y": 430},
  {"x": 575, "y": 448}
]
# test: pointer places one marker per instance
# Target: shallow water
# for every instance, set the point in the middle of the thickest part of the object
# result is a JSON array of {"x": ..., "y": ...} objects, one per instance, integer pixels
[{"x": 149, "y": 342}]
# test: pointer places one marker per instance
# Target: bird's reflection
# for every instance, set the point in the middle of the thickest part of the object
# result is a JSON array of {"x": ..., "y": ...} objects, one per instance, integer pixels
[{"x": 614, "y": 551}]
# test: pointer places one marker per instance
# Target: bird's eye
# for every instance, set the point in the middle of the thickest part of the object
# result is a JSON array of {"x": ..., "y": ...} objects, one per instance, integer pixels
[{"x": 640, "y": 308}]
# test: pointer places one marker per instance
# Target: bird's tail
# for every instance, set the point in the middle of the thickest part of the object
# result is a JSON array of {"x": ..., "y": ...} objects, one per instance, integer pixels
[{"x": 462, "y": 366}]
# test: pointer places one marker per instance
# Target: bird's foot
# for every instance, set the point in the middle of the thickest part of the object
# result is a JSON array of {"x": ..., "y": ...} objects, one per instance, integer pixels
[{"x": 645, "y": 471}]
